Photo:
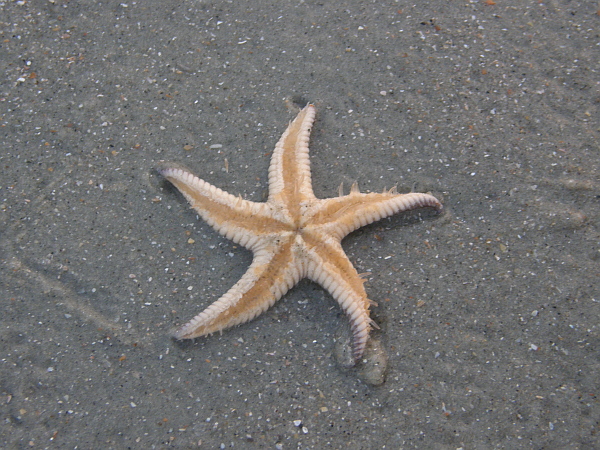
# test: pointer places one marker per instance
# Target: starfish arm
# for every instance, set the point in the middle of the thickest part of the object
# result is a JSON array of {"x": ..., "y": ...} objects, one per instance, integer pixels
[
  {"x": 268, "y": 278},
  {"x": 289, "y": 172},
  {"x": 331, "y": 268},
  {"x": 343, "y": 215},
  {"x": 237, "y": 219}
]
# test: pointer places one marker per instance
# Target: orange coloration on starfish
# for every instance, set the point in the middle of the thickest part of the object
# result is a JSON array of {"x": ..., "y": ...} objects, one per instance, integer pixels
[{"x": 293, "y": 235}]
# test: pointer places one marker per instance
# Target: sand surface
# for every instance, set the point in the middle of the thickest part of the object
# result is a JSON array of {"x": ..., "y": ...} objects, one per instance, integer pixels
[{"x": 489, "y": 314}]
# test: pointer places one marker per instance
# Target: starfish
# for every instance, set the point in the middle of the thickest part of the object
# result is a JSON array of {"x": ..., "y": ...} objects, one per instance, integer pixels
[{"x": 292, "y": 236}]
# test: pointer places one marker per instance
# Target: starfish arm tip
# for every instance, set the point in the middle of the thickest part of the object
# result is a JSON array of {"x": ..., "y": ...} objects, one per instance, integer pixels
[{"x": 182, "y": 333}]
